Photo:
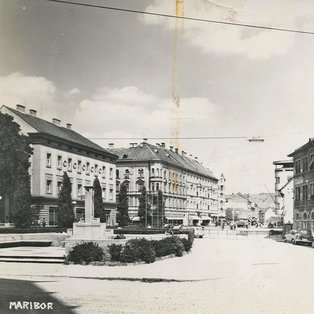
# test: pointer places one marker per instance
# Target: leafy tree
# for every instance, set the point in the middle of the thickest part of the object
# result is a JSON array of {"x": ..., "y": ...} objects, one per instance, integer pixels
[
  {"x": 15, "y": 153},
  {"x": 123, "y": 206},
  {"x": 99, "y": 211},
  {"x": 143, "y": 206},
  {"x": 160, "y": 208},
  {"x": 65, "y": 213}
]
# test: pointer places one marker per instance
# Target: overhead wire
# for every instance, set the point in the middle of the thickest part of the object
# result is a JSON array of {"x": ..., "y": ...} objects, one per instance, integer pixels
[{"x": 96, "y": 6}]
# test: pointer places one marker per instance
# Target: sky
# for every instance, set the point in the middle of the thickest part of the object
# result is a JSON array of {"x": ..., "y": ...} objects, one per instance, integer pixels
[{"x": 115, "y": 74}]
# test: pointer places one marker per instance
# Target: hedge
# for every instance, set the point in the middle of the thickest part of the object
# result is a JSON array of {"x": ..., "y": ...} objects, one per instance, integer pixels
[
  {"x": 32, "y": 230},
  {"x": 85, "y": 253}
]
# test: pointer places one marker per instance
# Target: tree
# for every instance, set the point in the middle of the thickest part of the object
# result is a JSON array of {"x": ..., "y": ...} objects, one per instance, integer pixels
[
  {"x": 15, "y": 152},
  {"x": 143, "y": 205},
  {"x": 99, "y": 211},
  {"x": 65, "y": 213},
  {"x": 160, "y": 208},
  {"x": 123, "y": 206}
]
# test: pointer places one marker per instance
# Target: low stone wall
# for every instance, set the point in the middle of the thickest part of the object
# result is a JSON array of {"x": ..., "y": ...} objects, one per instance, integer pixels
[{"x": 57, "y": 239}]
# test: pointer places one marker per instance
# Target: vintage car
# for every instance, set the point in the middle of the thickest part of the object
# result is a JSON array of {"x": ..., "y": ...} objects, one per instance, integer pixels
[
  {"x": 290, "y": 237},
  {"x": 198, "y": 232},
  {"x": 304, "y": 236}
]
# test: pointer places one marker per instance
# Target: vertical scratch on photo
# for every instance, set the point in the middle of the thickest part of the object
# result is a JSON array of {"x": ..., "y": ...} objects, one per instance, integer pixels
[{"x": 175, "y": 109}]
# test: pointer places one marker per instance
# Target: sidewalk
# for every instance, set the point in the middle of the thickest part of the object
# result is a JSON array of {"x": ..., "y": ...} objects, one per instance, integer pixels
[{"x": 192, "y": 266}]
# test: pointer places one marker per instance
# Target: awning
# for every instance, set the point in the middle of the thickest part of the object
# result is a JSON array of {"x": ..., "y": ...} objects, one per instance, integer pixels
[
  {"x": 174, "y": 218},
  {"x": 194, "y": 218}
]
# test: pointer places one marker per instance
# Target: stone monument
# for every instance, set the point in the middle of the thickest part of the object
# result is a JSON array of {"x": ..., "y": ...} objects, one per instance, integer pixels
[{"x": 91, "y": 228}]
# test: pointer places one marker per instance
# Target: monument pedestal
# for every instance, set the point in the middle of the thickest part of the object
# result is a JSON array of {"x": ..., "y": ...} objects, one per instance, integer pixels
[
  {"x": 92, "y": 230},
  {"x": 89, "y": 231}
]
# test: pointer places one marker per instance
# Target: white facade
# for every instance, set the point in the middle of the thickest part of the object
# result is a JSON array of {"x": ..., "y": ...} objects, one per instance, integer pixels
[
  {"x": 189, "y": 197},
  {"x": 52, "y": 156}
]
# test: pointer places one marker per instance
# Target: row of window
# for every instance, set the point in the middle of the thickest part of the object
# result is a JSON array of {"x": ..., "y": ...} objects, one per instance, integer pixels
[
  {"x": 304, "y": 193},
  {"x": 79, "y": 166},
  {"x": 80, "y": 192},
  {"x": 304, "y": 164}
]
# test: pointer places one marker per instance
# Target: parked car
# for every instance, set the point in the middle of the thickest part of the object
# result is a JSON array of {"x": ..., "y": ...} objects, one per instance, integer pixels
[
  {"x": 304, "y": 236},
  {"x": 199, "y": 232},
  {"x": 290, "y": 237}
]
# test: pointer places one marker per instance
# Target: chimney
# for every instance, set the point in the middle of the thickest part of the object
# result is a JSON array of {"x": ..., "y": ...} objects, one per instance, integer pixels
[
  {"x": 183, "y": 153},
  {"x": 171, "y": 148},
  {"x": 163, "y": 144},
  {"x": 133, "y": 145},
  {"x": 176, "y": 149},
  {"x": 20, "y": 108},
  {"x": 144, "y": 140},
  {"x": 56, "y": 121},
  {"x": 196, "y": 158},
  {"x": 111, "y": 145},
  {"x": 69, "y": 126},
  {"x": 32, "y": 112}
]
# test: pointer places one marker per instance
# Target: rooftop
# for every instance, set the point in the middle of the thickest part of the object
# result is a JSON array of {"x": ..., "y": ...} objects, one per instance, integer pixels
[
  {"x": 148, "y": 152},
  {"x": 49, "y": 128}
]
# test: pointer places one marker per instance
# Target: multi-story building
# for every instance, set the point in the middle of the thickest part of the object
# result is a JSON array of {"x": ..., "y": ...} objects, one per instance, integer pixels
[
  {"x": 222, "y": 196},
  {"x": 56, "y": 150},
  {"x": 303, "y": 161},
  {"x": 284, "y": 189},
  {"x": 189, "y": 189},
  {"x": 240, "y": 207},
  {"x": 283, "y": 174}
]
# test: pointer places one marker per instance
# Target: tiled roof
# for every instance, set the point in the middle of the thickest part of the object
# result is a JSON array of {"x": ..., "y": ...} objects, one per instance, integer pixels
[
  {"x": 149, "y": 152},
  {"x": 301, "y": 148},
  {"x": 46, "y": 127}
]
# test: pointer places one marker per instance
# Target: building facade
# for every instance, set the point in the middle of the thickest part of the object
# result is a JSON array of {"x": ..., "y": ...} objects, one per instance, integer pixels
[
  {"x": 56, "y": 150},
  {"x": 283, "y": 174},
  {"x": 222, "y": 196},
  {"x": 239, "y": 207},
  {"x": 303, "y": 161},
  {"x": 189, "y": 190}
]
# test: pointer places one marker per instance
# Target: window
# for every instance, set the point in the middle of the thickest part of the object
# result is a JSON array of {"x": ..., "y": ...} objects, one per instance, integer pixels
[
  {"x": 111, "y": 192},
  {"x": 297, "y": 193},
  {"x": 48, "y": 161},
  {"x": 297, "y": 166},
  {"x": 117, "y": 174},
  {"x": 312, "y": 190},
  {"x": 305, "y": 164},
  {"x": 140, "y": 173},
  {"x": 88, "y": 168},
  {"x": 104, "y": 192},
  {"x": 59, "y": 186},
  {"x": 96, "y": 169},
  {"x": 153, "y": 172},
  {"x": 305, "y": 192},
  {"x": 49, "y": 186},
  {"x": 59, "y": 162},
  {"x": 277, "y": 180},
  {"x": 111, "y": 173},
  {"x": 103, "y": 172},
  {"x": 53, "y": 216},
  {"x": 69, "y": 164},
  {"x": 79, "y": 166},
  {"x": 79, "y": 190},
  {"x": 312, "y": 162}
]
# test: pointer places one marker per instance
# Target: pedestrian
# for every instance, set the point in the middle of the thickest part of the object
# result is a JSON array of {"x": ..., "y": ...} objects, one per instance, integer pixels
[
  {"x": 223, "y": 226},
  {"x": 44, "y": 222}
]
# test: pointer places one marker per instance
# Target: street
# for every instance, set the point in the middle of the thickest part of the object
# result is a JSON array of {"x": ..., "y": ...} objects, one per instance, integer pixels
[{"x": 220, "y": 275}]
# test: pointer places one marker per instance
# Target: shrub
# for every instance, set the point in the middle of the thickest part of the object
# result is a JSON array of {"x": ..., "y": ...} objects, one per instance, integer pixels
[
  {"x": 168, "y": 246},
  {"x": 86, "y": 252},
  {"x": 115, "y": 251},
  {"x": 138, "y": 250},
  {"x": 187, "y": 244}
]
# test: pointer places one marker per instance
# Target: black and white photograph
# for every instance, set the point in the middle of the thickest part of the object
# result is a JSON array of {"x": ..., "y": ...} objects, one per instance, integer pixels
[{"x": 156, "y": 156}]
